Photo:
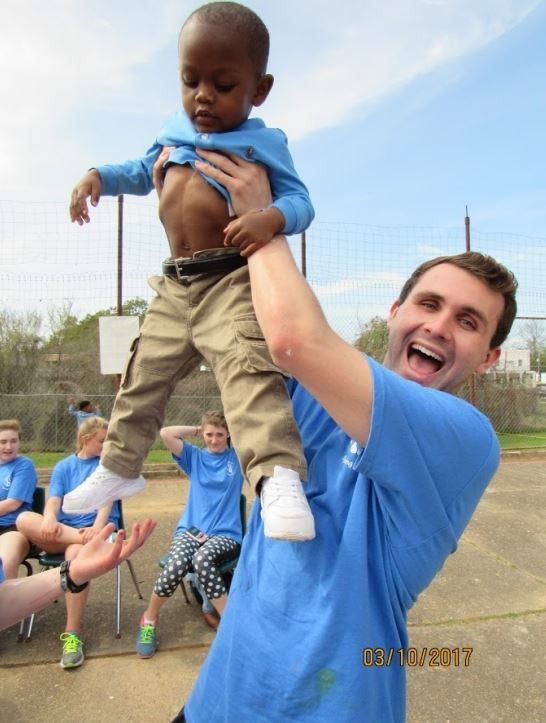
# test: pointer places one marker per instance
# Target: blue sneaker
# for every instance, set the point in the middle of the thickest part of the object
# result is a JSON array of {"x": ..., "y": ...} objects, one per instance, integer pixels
[{"x": 146, "y": 643}]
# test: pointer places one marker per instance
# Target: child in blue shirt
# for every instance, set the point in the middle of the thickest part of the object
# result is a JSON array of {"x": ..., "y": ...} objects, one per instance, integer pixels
[
  {"x": 83, "y": 410},
  {"x": 18, "y": 481},
  {"x": 203, "y": 307},
  {"x": 57, "y": 532},
  {"x": 209, "y": 530}
]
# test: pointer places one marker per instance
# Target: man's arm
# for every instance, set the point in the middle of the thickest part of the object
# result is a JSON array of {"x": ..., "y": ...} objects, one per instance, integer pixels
[
  {"x": 297, "y": 333},
  {"x": 302, "y": 342}
]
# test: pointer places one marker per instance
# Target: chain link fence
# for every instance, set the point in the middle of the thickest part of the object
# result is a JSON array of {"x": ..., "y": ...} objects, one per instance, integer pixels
[
  {"x": 48, "y": 427},
  {"x": 356, "y": 271}
]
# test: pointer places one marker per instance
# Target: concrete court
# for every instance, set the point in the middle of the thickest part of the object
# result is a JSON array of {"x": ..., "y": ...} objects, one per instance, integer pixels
[{"x": 487, "y": 607}]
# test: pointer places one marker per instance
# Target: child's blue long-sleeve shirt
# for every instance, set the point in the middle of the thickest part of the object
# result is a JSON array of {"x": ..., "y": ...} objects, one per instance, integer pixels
[{"x": 251, "y": 140}]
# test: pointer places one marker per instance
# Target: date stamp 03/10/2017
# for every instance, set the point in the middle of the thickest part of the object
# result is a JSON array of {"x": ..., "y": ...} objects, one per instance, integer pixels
[{"x": 413, "y": 657}]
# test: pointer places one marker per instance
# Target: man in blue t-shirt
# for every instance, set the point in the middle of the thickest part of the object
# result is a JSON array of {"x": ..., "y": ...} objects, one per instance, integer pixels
[{"x": 397, "y": 464}]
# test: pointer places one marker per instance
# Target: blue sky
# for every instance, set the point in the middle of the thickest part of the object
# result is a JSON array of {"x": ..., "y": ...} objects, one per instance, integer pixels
[{"x": 398, "y": 111}]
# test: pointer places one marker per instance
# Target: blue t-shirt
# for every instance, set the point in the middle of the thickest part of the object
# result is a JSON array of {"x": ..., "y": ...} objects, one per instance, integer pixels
[
  {"x": 80, "y": 415},
  {"x": 302, "y": 618},
  {"x": 215, "y": 491},
  {"x": 18, "y": 481},
  {"x": 251, "y": 140},
  {"x": 68, "y": 474}
]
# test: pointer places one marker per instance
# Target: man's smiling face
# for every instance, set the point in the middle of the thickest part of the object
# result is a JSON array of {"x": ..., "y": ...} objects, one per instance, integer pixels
[{"x": 441, "y": 333}]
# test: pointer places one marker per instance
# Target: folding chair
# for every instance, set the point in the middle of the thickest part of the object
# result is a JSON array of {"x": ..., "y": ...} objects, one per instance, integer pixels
[
  {"x": 226, "y": 568},
  {"x": 48, "y": 561},
  {"x": 38, "y": 504}
]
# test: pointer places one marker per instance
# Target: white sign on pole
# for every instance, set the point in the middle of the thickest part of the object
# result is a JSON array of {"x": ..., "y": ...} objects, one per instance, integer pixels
[{"x": 116, "y": 334}]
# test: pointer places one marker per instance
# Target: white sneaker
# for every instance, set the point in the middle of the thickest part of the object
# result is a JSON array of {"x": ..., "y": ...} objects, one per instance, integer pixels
[
  {"x": 99, "y": 489},
  {"x": 285, "y": 510}
]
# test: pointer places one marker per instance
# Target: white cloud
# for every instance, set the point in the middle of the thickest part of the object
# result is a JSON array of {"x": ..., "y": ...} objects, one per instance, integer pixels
[
  {"x": 64, "y": 58},
  {"x": 362, "y": 51}
]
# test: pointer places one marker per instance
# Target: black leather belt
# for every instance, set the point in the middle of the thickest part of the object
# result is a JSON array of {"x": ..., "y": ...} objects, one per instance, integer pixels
[{"x": 221, "y": 264}]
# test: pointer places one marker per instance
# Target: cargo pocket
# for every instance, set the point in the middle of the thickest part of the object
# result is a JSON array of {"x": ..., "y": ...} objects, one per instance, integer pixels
[
  {"x": 251, "y": 347},
  {"x": 130, "y": 363}
]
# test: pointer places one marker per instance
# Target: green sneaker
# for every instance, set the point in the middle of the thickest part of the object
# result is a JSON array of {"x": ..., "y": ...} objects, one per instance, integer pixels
[
  {"x": 73, "y": 655},
  {"x": 146, "y": 643}
]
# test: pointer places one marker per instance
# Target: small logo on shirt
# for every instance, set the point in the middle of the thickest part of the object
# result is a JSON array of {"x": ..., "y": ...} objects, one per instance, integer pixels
[
  {"x": 7, "y": 482},
  {"x": 229, "y": 467},
  {"x": 348, "y": 459}
]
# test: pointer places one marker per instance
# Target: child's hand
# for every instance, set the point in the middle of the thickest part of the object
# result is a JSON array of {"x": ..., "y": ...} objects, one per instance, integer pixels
[
  {"x": 50, "y": 529},
  {"x": 89, "y": 186},
  {"x": 253, "y": 230}
]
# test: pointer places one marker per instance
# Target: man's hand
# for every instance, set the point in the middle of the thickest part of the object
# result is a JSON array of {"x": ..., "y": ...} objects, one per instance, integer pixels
[
  {"x": 89, "y": 186},
  {"x": 253, "y": 230},
  {"x": 247, "y": 183},
  {"x": 99, "y": 556}
]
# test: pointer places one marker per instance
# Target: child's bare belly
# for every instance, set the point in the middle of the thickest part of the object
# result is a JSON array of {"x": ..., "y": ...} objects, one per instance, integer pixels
[{"x": 192, "y": 212}]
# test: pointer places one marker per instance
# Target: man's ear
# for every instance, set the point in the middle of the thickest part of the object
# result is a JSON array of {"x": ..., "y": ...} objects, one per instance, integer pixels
[
  {"x": 490, "y": 358},
  {"x": 393, "y": 311},
  {"x": 262, "y": 89}
]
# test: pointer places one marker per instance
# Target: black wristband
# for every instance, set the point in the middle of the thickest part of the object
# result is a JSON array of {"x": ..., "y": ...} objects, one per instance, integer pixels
[{"x": 67, "y": 584}]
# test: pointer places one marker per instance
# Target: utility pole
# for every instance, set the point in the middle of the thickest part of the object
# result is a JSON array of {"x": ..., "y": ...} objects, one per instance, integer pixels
[
  {"x": 472, "y": 380},
  {"x": 119, "y": 304}
]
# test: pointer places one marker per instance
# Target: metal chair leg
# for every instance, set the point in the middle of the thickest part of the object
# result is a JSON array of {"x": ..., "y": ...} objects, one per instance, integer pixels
[
  {"x": 21, "y": 634},
  {"x": 185, "y": 592},
  {"x": 118, "y": 601},
  {"x": 29, "y": 631},
  {"x": 135, "y": 581}
]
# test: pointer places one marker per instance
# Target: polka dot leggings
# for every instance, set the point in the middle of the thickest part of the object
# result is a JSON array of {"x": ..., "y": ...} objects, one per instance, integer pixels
[{"x": 186, "y": 553}]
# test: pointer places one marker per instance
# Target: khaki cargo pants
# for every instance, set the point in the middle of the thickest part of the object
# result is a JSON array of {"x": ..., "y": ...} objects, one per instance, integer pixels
[{"x": 210, "y": 317}]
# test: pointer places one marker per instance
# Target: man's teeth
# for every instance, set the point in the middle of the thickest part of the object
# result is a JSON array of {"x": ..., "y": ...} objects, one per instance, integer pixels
[{"x": 426, "y": 352}]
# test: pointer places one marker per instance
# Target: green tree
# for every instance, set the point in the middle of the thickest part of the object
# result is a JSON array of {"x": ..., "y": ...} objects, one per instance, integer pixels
[
  {"x": 373, "y": 338},
  {"x": 20, "y": 342},
  {"x": 534, "y": 336},
  {"x": 72, "y": 350}
]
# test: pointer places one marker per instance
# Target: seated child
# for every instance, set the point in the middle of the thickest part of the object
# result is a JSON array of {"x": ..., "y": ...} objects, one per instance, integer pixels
[
  {"x": 209, "y": 530},
  {"x": 57, "y": 532},
  {"x": 18, "y": 481}
]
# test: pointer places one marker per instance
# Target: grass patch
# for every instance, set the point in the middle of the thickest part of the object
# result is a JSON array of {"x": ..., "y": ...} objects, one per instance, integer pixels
[
  {"x": 50, "y": 459},
  {"x": 532, "y": 440}
]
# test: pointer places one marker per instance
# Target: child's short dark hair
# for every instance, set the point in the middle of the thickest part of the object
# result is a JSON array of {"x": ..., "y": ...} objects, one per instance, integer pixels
[
  {"x": 83, "y": 404},
  {"x": 243, "y": 21}
]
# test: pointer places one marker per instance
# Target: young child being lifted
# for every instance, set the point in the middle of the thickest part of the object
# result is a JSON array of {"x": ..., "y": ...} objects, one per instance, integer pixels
[{"x": 203, "y": 305}]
